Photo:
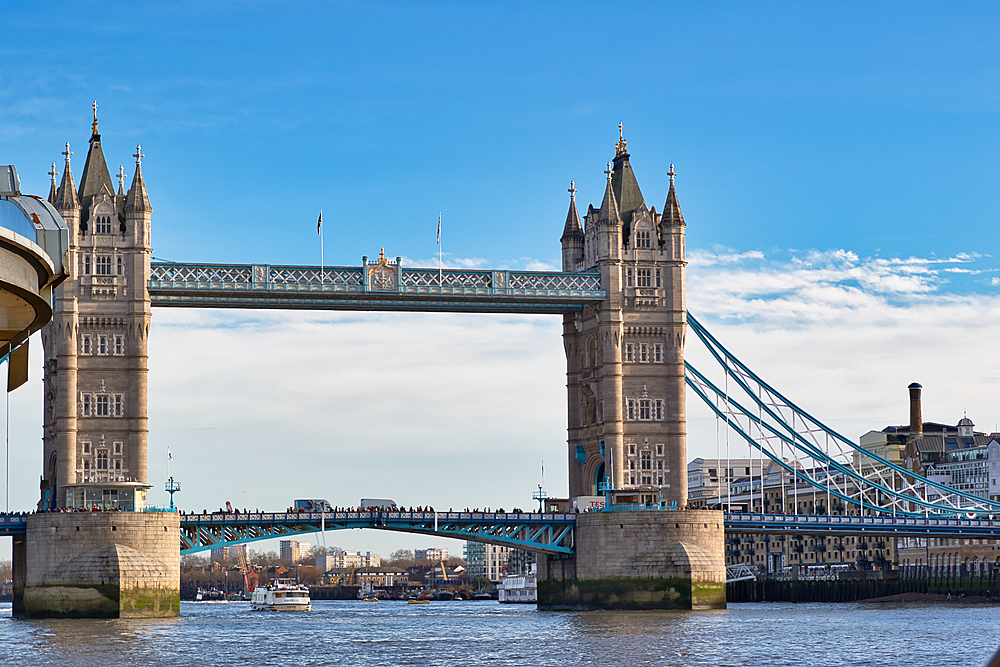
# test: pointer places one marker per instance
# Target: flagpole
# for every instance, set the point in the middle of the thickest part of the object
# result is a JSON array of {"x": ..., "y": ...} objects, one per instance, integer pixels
[
  {"x": 440, "y": 281},
  {"x": 320, "y": 225}
]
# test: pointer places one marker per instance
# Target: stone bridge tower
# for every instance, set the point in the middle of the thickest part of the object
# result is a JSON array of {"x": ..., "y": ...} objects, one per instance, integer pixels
[
  {"x": 94, "y": 424},
  {"x": 625, "y": 358}
]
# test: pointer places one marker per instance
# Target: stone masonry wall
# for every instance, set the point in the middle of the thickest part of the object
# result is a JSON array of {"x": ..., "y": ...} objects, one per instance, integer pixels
[
  {"x": 650, "y": 559},
  {"x": 107, "y": 564}
]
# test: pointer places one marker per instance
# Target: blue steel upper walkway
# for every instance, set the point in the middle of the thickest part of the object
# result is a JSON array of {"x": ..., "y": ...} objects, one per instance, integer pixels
[{"x": 375, "y": 286}]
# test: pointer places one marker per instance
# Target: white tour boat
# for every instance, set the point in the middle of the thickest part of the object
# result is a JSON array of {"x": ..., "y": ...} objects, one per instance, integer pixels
[
  {"x": 521, "y": 587},
  {"x": 281, "y": 597}
]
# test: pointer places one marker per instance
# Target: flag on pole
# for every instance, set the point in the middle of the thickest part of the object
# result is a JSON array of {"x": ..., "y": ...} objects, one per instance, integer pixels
[
  {"x": 319, "y": 224},
  {"x": 170, "y": 457},
  {"x": 439, "y": 229}
]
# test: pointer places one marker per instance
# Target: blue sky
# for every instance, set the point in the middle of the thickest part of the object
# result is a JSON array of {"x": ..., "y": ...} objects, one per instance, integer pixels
[{"x": 837, "y": 170}]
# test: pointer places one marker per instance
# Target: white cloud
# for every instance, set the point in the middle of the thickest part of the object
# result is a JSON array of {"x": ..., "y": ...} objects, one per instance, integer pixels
[{"x": 843, "y": 336}]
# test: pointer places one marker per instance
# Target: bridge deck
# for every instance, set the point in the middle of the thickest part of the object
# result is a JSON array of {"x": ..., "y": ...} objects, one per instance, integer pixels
[
  {"x": 544, "y": 533},
  {"x": 352, "y": 288}
]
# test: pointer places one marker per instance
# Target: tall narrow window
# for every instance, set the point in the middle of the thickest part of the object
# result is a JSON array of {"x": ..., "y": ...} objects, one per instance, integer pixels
[
  {"x": 102, "y": 405},
  {"x": 119, "y": 345},
  {"x": 628, "y": 277},
  {"x": 629, "y": 355},
  {"x": 120, "y": 265},
  {"x": 119, "y": 405},
  {"x": 658, "y": 353},
  {"x": 87, "y": 405},
  {"x": 631, "y": 408},
  {"x": 644, "y": 410},
  {"x": 102, "y": 459},
  {"x": 646, "y": 460},
  {"x": 86, "y": 265},
  {"x": 644, "y": 353},
  {"x": 102, "y": 344},
  {"x": 658, "y": 409},
  {"x": 659, "y": 452},
  {"x": 118, "y": 446},
  {"x": 86, "y": 344},
  {"x": 659, "y": 281}
]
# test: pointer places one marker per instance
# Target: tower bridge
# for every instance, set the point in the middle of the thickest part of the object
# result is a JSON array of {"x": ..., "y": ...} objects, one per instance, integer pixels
[{"x": 622, "y": 296}]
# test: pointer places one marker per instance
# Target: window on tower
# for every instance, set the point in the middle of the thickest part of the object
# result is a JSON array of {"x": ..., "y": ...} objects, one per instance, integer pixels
[
  {"x": 645, "y": 279},
  {"x": 658, "y": 409},
  {"x": 103, "y": 404},
  {"x": 642, "y": 239},
  {"x": 629, "y": 352},
  {"x": 120, "y": 265},
  {"x": 102, "y": 344},
  {"x": 644, "y": 409},
  {"x": 86, "y": 265},
  {"x": 628, "y": 277},
  {"x": 86, "y": 346},
  {"x": 647, "y": 460},
  {"x": 659, "y": 281},
  {"x": 103, "y": 225},
  {"x": 102, "y": 459},
  {"x": 103, "y": 265},
  {"x": 658, "y": 353},
  {"x": 119, "y": 345},
  {"x": 86, "y": 405},
  {"x": 644, "y": 353}
]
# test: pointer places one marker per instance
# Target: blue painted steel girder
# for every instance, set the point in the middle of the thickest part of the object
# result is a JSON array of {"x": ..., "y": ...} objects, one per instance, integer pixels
[
  {"x": 381, "y": 286},
  {"x": 903, "y": 526},
  {"x": 544, "y": 533}
]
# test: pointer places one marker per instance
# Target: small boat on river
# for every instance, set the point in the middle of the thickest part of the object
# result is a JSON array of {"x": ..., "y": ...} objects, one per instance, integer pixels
[{"x": 281, "y": 597}]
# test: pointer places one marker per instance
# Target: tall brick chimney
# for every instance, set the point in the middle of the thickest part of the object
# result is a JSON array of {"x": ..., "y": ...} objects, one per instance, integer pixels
[{"x": 916, "y": 420}]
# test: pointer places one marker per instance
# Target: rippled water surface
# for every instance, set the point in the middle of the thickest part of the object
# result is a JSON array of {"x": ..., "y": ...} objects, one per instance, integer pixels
[{"x": 487, "y": 633}]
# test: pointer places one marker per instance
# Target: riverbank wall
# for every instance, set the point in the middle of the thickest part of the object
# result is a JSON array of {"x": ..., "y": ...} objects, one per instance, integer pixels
[{"x": 853, "y": 590}]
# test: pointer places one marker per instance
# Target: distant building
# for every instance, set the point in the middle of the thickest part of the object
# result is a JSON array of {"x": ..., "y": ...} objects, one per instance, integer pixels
[
  {"x": 231, "y": 554},
  {"x": 708, "y": 478},
  {"x": 434, "y": 554},
  {"x": 486, "y": 560},
  {"x": 293, "y": 550},
  {"x": 346, "y": 559}
]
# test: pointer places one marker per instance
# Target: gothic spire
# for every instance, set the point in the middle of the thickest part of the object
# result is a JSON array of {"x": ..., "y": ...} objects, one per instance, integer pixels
[
  {"x": 121, "y": 180},
  {"x": 53, "y": 189},
  {"x": 96, "y": 176},
  {"x": 672, "y": 216},
  {"x": 136, "y": 199},
  {"x": 609, "y": 206},
  {"x": 66, "y": 198},
  {"x": 573, "y": 229}
]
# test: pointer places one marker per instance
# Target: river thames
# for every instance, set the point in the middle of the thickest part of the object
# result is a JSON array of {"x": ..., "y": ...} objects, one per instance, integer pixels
[{"x": 488, "y": 633}]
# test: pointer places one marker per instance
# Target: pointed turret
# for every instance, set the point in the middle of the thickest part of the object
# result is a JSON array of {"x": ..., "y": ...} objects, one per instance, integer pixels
[
  {"x": 96, "y": 178},
  {"x": 66, "y": 197},
  {"x": 573, "y": 229},
  {"x": 53, "y": 190},
  {"x": 136, "y": 200},
  {"x": 672, "y": 216},
  {"x": 609, "y": 206},
  {"x": 623, "y": 182},
  {"x": 573, "y": 237},
  {"x": 121, "y": 181}
]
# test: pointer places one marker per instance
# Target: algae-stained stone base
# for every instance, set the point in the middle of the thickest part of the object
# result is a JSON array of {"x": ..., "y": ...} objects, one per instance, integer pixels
[
  {"x": 650, "y": 559},
  {"x": 102, "y": 565}
]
